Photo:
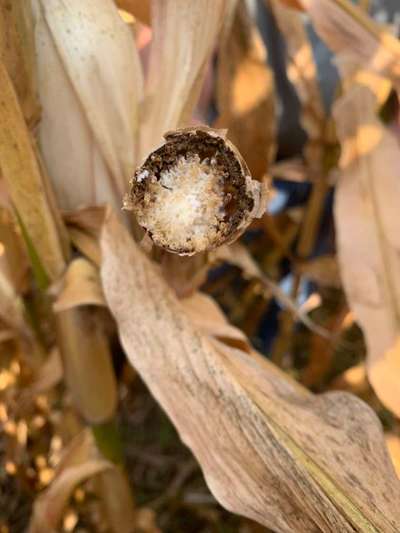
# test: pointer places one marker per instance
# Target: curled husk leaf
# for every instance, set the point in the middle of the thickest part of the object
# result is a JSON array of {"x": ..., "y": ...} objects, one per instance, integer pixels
[{"x": 195, "y": 192}]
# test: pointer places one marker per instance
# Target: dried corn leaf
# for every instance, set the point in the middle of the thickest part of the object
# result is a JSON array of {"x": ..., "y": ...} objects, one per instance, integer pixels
[
  {"x": 86, "y": 244},
  {"x": 118, "y": 503},
  {"x": 393, "y": 444},
  {"x": 49, "y": 374},
  {"x": 89, "y": 219},
  {"x": 348, "y": 30},
  {"x": 84, "y": 347},
  {"x": 302, "y": 72},
  {"x": 84, "y": 227},
  {"x": 25, "y": 182},
  {"x": 18, "y": 53},
  {"x": 90, "y": 82},
  {"x": 269, "y": 449},
  {"x": 290, "y": 170},
  {"x": 140, "y": 9},
  {"x": 301, "y": 68},
  {"x": 184, "y": 274},
  {"x": 211, "y": 321},
  {"x": 80, "y": 286},
  {"x": 323, "y": 270},
  {"x": 146, "y": 521},
  {"x": 184, "y": 34},
  {"x": 294, "y": 4},
  {"x": 11, "y": 307},
  {"x": 368, "y": 235},
  {"x": 354, "y": 380},
  {"x": 245, "y": 91},
  {"x": 238, "y": 255},
  {"x": 78, "y": 463},
  {"x": 13, "y": 259}
]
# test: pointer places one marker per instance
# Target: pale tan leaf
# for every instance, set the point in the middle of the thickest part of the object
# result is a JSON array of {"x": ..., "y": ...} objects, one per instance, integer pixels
[
  {"x": 26, "y": 184},
  {"x": 118, "y": 502},
  {"x": 238, "y": 255},
  {"x": 7, "y": 335},
  {"x": 185, "y": 274},
  {"x": 87, "y": 363},
  {"x": 393, "y": 444},
  {"x": 146, "y": 521},
  {"x": 84, "y": 227},
  {"x": 18, "y": 53},
  {"x": 13, "y": 258},
  {"x": 210, "y": 320},
  {"x": 90, "y": 83},
  {"x": 354, "y": 380},
  {"x": 86, "y": 244},
  {"x": 80, "y": 285},
  {"x": 245, "y": 91},
  {"x": 184, "y": 34},
  {"x": 324, "y": 270},
  {"x": 301, "y": 68},
  {"x": 348, "y": 30},
  {"x": 290, "y": 170},
  {"x": 368, "y": 235},
  {"x": 77, "y": 451},
  {"x": 269, "y": 449},
  {"x": 11, "y": 307},
  {"x": 89, "y": 219},
  {"x": 78, "y": 464},
  {"x": 48, "y": 375},
  {"x": 302, "y": 72}
]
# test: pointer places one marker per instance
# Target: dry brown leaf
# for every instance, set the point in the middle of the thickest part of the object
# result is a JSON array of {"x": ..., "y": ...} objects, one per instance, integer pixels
[
  {"x": 211, "y": 321},
  {"x": 290, "y": 170},
  {"x": 80, "y": 285},
  {"x": 294, "y": 4},
  {"x": 13, "y": 258},
  {"x": 146, "y": 521},
  {"x": 368, "y": 231},
  {"x": 324, "y": 270},
  {"x": 393, "y": 444},
  {"x": 84, "y": 226},
  {"x": 79, "y": 462},
  {"x": 237, "y": 255},
  {"x": 12, "y": 307},
  {"x": 349, "y": 31},
  {"x": 184, "y": 274},
  {"x": 140, "y": 9},
  {"x": 353, "y": 380},
  {"x": 270, "y": 450},
  {"x": 245, "y": 91},
  {"x": 25, "y": 182},
  {"x": 18, "y": 53},
  {"x": 86, "y": 244},
  {"x": 89, "y": 219},
  {"x": 48, "y": 375},
  {"x": 321, "y": 352},
  {"x": 13, "y": 268},
  {"x": 184, "y": 34},
  {"x": 301, "y": 68},
  {"x": 90, "y": 106},
  {"x": 302, "y": 71},
  {"x": 118, "y": 502},
  {"x": 84, "y": 346}
]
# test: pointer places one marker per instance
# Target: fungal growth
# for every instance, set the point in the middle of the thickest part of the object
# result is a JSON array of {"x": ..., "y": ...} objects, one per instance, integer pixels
[{"x": 194, "y": 193}]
